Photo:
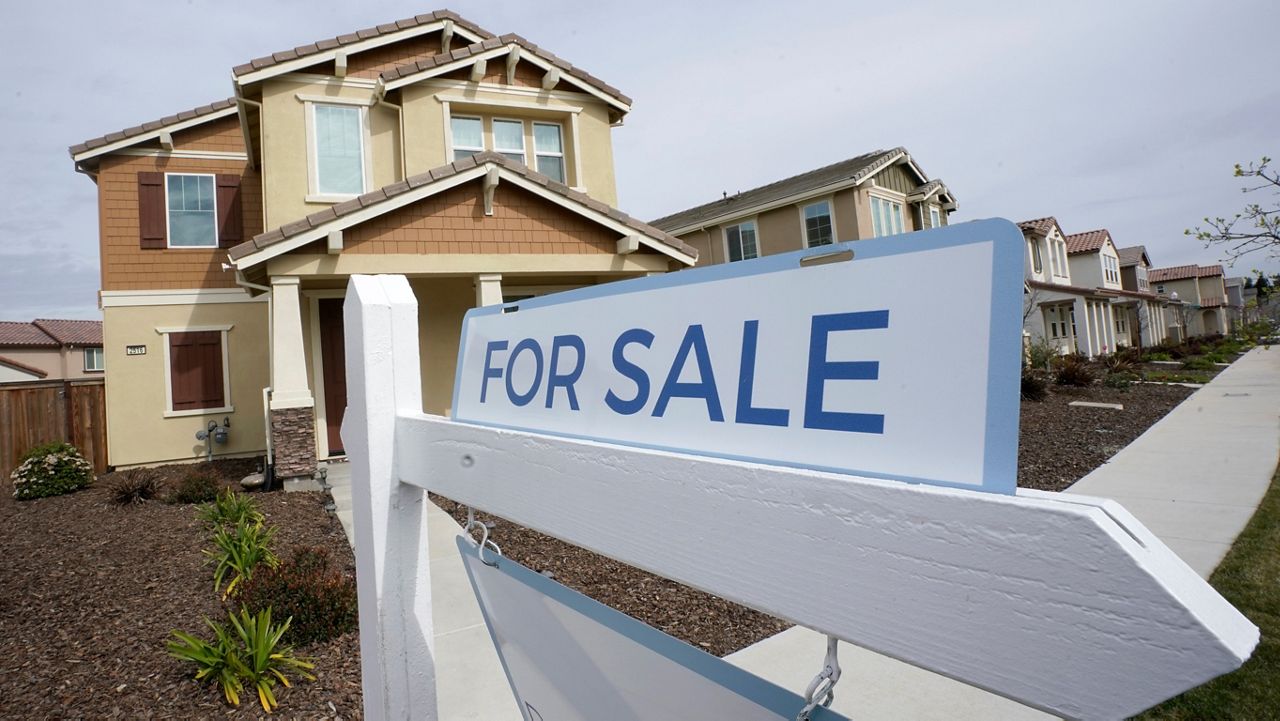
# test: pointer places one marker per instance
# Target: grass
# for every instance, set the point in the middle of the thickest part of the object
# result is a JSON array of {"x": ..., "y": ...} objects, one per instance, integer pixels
[
  {"x": 1177, "y": 376},
  {"x": 1249, "y": 577}
]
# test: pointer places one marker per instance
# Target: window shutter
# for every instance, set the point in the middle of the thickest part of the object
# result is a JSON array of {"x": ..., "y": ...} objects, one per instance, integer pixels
[
  {"x": 195, "y": 370},
  {"x": 151, "y": 211},
  {"x": 230, "y": 218}
]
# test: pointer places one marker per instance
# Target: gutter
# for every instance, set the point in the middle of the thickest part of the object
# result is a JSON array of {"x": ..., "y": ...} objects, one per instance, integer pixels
[{"x": 380, "y": 98}]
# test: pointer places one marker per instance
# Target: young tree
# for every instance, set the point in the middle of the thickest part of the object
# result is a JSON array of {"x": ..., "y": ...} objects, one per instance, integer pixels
[
  {"x": 1257, "y": 227},
  {"x": 1248, "y": 282},
  {"x": 1263, "y": 285}
]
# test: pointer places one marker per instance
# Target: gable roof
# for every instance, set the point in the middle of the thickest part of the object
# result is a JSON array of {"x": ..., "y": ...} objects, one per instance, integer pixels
[
  {"x": 317, "y": 225},
  {"x": 17, "y": 333},
  {"x": 23, "y": 367},
  {"x": 1133, "y": 255},
  {"x": 71, "y": 332},
  {"x": 845, "y": 173},
  {"x": 153, "y": 129},
  {"x": 1183, "y": 272},
  {"x": 447, "y": 62},
  {"x": 1089, "y": 241},
  {"x": 1040, "y": 226}
]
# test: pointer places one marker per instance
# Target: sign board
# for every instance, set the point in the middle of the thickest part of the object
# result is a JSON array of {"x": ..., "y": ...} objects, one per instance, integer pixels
[
  {"x": 135, "y": 350},
  {"x": 570, "y": 658},
  {"x": 895, "y": 358}
]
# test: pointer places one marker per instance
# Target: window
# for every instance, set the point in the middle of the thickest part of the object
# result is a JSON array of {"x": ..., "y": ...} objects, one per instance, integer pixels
[
  {"x": 817, "y": 224},
  {"x": 1160, "y": 288},
  {"x": 1122, "y": 322},
  {"x": 548, "y": 149},
  {"x": 192, "y": 217},
  {"x": 93, "y": 359},
  {"x": 886, "y": 216},
  {"x": 508, "y": 139},
  {"x": 1060, "y": 250},
  {"x": 339, "y": 149},
  {"x": 1111, "y": 269},
  {"x": 935, "y": 217},
  {"x": 1037, "y": 263},
  {"x": 1140, "y": 271},
  {"x": 740, "y": 241},
  {"x": 468, "y": 136},
  {"x": 1057, "y": 318},
  {"x": 196, "y": 370}
]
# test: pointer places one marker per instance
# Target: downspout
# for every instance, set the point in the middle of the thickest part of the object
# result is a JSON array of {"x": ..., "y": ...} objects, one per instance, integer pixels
[
  {"x": 380, "y": 98},
  {"x": 266, "y": 392},
  {"x": 244, "y": 124}
]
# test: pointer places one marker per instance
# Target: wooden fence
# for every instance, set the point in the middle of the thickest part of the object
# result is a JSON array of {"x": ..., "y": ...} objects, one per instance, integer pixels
[{"x": 44, "y": 411}]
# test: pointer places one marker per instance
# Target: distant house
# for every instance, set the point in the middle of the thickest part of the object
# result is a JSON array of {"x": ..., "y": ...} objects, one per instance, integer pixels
[
  {"x": 1145, "y": 311},
  {"x": 1202, "y": 292},
  {"x": 48, "y": 349},
  {"x": 1235, "y": 301},
  {"x": 1070, "y": 316},
  {"x": 885, "y": 192}
]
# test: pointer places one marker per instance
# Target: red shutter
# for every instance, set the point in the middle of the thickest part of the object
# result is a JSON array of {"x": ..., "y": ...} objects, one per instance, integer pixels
[
  {"x": 195, "y": 370},
  {"x": 151, "y": 211},
  {"x": 230, "y": 218}
]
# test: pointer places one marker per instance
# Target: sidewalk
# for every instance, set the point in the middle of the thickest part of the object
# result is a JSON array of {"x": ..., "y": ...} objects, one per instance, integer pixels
[{"x": 1194, "y": 479}]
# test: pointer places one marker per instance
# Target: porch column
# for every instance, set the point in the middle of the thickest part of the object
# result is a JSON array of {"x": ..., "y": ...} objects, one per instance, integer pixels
[
  {"x": 292, "y": 410},
  {"x": 1109, "y": 321},
  {"x": 1084, "y": 326},
  {"x": 488, "y": 289}
]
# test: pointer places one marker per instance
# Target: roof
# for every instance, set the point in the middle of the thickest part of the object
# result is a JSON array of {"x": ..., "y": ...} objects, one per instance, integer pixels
[
  {"x": 1040, "y": 226},
  {"x": 854, "y": 170},
  {"x": 24, "y": 334},
  {"x": 1071, "y": 289},
  {"x": 1183, "y": 272},
  {"x": 23, "y": 367},
  {"x": 320, "y": 46},
  {"x": 386, "y": 193},
  {"x": 215, "y": 108},
  {"x": 1090, "y": 241},
  {"x": 1133, "y": 255},
  {"x": 72, "y": 332}
]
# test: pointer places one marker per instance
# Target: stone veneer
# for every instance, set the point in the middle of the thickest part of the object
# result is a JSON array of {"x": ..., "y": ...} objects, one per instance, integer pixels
[{"x": 293, "y": 441}]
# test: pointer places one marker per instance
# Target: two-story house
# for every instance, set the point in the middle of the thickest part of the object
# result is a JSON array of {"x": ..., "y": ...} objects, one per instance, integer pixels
[
  {"x": 1059, "y": 311},
  {"x": 881, "y": 193},
  {"x": 50, "y": 349},
  {"x": 479, "y": 166},
  {"x": 1143, "y": 310},
  {"x": 1202, "y": 292}
]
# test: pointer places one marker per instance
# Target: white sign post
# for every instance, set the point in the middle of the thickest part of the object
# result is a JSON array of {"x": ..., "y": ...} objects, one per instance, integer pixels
[{"x": 1067, "y": 604}]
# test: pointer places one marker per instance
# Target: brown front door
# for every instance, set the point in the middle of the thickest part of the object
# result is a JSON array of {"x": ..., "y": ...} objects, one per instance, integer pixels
[{"x": 334, "y": 364}]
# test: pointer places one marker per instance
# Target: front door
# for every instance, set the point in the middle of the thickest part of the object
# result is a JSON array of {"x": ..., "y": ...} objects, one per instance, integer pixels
[{"x": 333, "y": 362}]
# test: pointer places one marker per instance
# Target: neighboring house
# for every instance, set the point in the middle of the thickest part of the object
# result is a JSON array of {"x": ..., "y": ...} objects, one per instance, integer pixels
[
  {"x": 46, "y": 349},
  {"x": 1141, "y": 308},
  {"x": 481, "y": 167},
  {"x": 1057, "y": 310},
  {"x": 1202, "y": 292},
  {"x": 880, "y": 193},
  {"x": 1235, "y": 302}
]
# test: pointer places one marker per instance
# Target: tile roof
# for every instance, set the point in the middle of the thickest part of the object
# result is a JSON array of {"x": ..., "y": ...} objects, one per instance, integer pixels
[
  {"x": 24, "y": 334},
  {"x": 152, "y": 126},
  {"x": 490, "y": 43},
  {"x": 23, "y": 367},
  {"x": 1133, "y": 255},
  {"x": 1182, "y": 272},
  {"x": 72, "y": 332},
  {"x": 322, "y": 217},
  {"x": 1087, "y": 242},
  {"x": 854, "y": 169},
  {"x": 1040, "y": 226},
  {"x": 322, "y": 45}
]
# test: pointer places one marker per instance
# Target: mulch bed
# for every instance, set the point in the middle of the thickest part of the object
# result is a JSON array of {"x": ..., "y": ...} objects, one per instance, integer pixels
[{"x": 90, "y": 591}]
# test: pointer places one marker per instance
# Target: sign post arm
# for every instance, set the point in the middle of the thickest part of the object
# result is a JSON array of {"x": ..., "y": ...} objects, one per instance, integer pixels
[{"x": 393, "y": 572}]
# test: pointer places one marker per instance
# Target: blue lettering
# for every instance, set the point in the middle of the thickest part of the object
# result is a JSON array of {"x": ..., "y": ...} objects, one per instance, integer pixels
[
  {"x": 822, "y": 370},
  {"x": 565, "y": 380},
  {"x": 489, "y": 370},
  {"x": 532, "y": 346},
  {"x": 705, "y": 388},
  {"x": 745, "y": 412},
  {"x": 630, "y": 370}
]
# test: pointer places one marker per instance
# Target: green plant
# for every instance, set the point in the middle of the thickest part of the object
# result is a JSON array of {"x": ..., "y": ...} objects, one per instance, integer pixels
[
  {"x": 1117, "y": 363},
  {"x": 1198, "y": 364},
  {"x": 1040, "y": 354},
  {"x": 229, "y": 509},
  {"x": 135, "y": 486},
  {"x": 320, "y": 600},
  {"x": 1158, "y": 356},
  {"x": 198, "y": 485},
  {"x": 237, "y": 551},
  {"x": 1072, "y": 371},
  {"x": 1034, "y": 387},
  {"x": 51, "y": 469},
  {"x": 1215, "y": 357},
  {"x": 1121, "y": 380},
  {"x": 253, "y": 655}
]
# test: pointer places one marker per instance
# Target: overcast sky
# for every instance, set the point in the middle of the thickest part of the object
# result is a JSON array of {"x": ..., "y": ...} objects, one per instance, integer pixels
[{"x": 1121, "y": 115}]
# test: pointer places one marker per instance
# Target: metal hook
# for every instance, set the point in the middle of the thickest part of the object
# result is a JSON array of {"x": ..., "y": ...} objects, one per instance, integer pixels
[
  {"x": 821, "y": 690},
  {"x": 484, "y": 538}
]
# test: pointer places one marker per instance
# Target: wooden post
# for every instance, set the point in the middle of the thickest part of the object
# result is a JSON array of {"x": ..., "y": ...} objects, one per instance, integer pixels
[{"x": 392, "y": 571}]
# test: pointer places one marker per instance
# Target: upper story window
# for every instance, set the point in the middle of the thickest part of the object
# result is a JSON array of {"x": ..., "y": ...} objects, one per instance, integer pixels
[
  {"x": 1111, "y": 269},
  {"x": 93, "y": 360},
  {"x": 1141, "y": 272},
  {"x": 548, "y": 146},
  {"x": 468, "y": 136},
  {"x": 740, "y": 241},
  {"x": 1037, "y": 263},
  {"x": 886, "y": 216},
  {"x": 818, "y": 228},
  {"x": 508, "y": 139},
  {"x": 192, "y": 215},
  {"x": 338, "y": 149},
  {"x": 1060, "y": 251},
  {"x": 935, "y": 217}
]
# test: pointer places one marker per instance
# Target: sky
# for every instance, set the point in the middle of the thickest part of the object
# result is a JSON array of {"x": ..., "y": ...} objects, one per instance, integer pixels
[{"x": 1121, "y": 115}]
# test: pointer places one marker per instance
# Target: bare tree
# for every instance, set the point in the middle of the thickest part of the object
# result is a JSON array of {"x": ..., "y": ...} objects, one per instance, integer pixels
[{"x": 1257, "y": 227}]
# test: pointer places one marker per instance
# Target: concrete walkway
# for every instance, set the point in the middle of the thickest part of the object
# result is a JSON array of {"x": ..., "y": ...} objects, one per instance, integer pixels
[{"x": 1194, "y": 479}]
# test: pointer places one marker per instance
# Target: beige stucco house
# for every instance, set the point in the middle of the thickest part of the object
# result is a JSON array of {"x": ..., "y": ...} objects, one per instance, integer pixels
[
  {"x": 50, "y": 349},
  {"x": 1203, "y": 294},
  {"x": 479, "y": 166}
]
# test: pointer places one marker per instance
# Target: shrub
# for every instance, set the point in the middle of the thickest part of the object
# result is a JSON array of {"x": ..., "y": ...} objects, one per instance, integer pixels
[
  {"x": 320, "y": 600},
  {"x": 237, "y": 551},
  {"x": 1040, "y": 354},
  {"x": 198, "y": 485},
  {"x": 1117, "y": 363},
  {"x": 135, "y": 486},
  {"x": 51, "y": 469},
  {"x": 1034, "y": 387},
  {"x": 1121, "y": 380},
  {"x": 250, "y": 652},
  {"x": 1215, "y": 357},
  {"x": 230, "y": 509},
  {"x": 1072, "y": 371},
  {"x": 1130, "y": 355},
  {"x": 1198, "y": 364}
]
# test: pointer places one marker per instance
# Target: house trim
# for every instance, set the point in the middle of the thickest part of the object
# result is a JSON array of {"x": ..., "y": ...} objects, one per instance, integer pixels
[
  {"x": 193, "y": 296},
  {"x": 154, "y": 134},
  {"x": 317, "y": 365},
  {"x": 183, "y": 154}
]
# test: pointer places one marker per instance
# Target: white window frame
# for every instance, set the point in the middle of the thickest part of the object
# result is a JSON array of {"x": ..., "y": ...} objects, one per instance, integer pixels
[
  {"x": 564, "y": 163},
  {"x": 168, "y": 232},
  {"x": 1037, "y": 260},
  {"x": 724, "y": 237},
  {"x": 524, "y": 150},
  {"x": 1140, "y": 273},
  {"x": 935, "y": 217},
  {"x": 101, "y": 357},
  {"x": 889, "y": 196},
  {"x": 1059, "y": 249},
  {"x": 1122, "y": 322},
  {"x": 804, "y": 225},
  {"x": 228, "y": 406},
  {"x": 313, "y": 165}
]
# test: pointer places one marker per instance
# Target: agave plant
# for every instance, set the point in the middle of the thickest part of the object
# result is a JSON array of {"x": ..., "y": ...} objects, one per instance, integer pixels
[{"x": 237, "y": 551}]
